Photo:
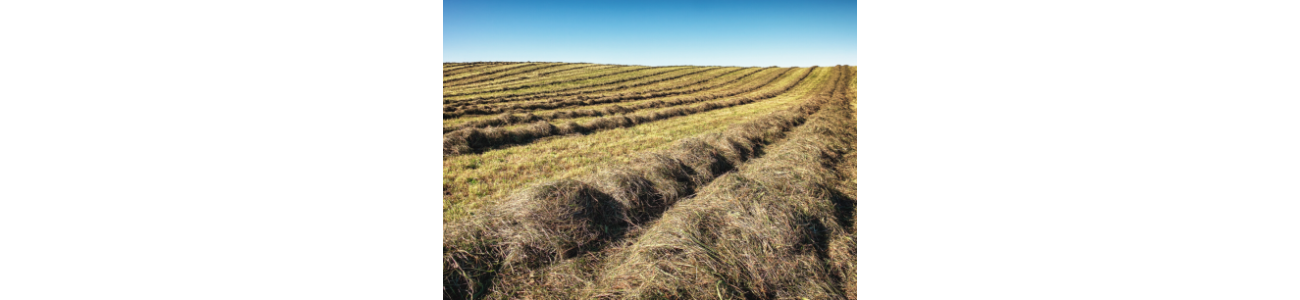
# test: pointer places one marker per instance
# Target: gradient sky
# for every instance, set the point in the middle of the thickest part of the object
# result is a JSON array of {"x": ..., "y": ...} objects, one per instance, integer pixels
[{"x": 656, "y": 33}]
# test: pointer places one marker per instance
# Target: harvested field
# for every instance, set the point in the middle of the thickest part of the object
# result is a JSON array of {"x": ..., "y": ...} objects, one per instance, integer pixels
[{"x": 586, "y": 181}]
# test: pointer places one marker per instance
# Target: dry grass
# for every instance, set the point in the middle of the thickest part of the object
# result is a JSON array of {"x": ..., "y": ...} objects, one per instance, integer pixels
[
  {"x": 578, "y": 83},
  {"x": 775, "y": 229},
  {"x": 552, "y": 90},
  {"x": 726, "y": 81},
  {"x": 455, "y": 111},
  {"x": 470, "y": 140},
  {"x": 752, "y": 201},
  {"x": 474, "y": 179},
  {"x": 605, "y": 70},
  {"x": 630, "y": 84},
  {"x": 558, "y": 72},
  {"x": 491, "y": 69},
  {"x": 663, "y": 84},
  {"x": 563, "y": 220},
  {"x": 470, "y": 67},
  {"x": 491, "y": 76}
]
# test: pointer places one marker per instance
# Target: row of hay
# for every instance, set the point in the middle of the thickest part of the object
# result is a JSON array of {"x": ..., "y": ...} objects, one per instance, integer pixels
[
  {"x": 775, "y": 229},
  {"x": 493, "y": 70},
  {"x": 577, "y": 278},
  {"x": 470, "y": 67},
  {"x": 510, "y": 118},
  {"x": 563, "y": 219},
  {"x": 556, "y": 82},
  {"x": 539, "y": 95},
  {"x": 452, "y": 67},
  {"x": 570, "y": 93},
  {"x": 476, "y": 139},
  {"x": 567, "y": 68},
  {"x": 584, "y": 100},
  {"x": 489, "y": 76},
  {"x": 642, "y": 76}
]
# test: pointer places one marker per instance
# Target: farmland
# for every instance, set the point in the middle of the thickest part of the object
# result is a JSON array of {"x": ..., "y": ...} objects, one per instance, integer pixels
[{"x": 580, "y": 181}]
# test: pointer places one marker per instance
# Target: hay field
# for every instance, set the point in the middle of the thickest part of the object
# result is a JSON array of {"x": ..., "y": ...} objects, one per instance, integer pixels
[{"x": 582, "y": 181}]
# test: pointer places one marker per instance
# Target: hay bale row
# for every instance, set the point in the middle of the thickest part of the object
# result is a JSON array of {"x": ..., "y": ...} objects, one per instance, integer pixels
[
  {"x": 457, "y": 111},
  {"x": 771, "y": 230},
  {"x": 509, "y": 118},
  {"x": 476, "y": 139},
  {"x": 535, "y": 230}
]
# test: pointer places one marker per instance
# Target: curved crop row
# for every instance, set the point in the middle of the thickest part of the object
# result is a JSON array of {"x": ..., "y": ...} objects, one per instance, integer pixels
[
  {"x": 477, "y": 139},
  {"x": 445, "y": 82},
  {"x": 536, "y": 97},
  {"x": 538, "y": 76},
  {"x": 456, "y": 110},
  {"x": 496, "y": 74},
  {"x": 474, "y": 180},
  {"x": 557, "y": 81},
  {"x": 472, "y": 67},
  {"x": 485, "y": 77},
  {"x": 561, "y": 77},
  {"x": 560, "y": 220},
  {"x": 775, "y": 229},
  {"x": 583, "y": 101},
  {"x": 471, "y": 70},
  {"x": 509, "y": 118},
  {"x": 447, "y": 73},
  {"x": 502, "y": 89},
  {"x": 446, "y": 68}
]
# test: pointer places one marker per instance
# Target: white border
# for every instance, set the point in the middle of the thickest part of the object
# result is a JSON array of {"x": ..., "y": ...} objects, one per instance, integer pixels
[{"x": 1079, "y": 150}]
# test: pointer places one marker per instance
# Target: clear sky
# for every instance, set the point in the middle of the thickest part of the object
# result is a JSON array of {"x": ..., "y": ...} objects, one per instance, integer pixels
[{"x": 728, "y": 33}]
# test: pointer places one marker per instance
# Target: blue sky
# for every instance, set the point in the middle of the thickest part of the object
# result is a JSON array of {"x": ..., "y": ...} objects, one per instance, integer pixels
[{"x": 728, "y": 33}]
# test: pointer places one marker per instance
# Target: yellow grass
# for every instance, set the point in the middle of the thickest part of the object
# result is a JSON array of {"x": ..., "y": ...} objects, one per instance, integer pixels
[{"x": 472, "y": 180}]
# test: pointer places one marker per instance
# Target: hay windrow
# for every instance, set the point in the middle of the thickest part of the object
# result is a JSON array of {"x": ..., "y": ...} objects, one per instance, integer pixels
[
  {"x": 465, "y": 110},
  {"x": 509, "y": 116},
  {"x": 748, "y": 212},
  {"x": 684, "y": 88},
  {"x": 477, "y": 139},
  {"x": 771, "y": 230},
  {"x": 656, "y": 71}
]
